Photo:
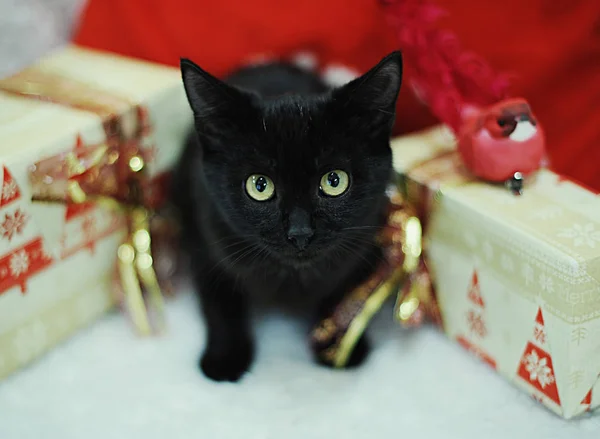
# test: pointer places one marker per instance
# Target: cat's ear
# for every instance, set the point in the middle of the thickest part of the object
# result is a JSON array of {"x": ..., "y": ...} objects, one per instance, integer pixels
[
  {"x": 209, "y": 97},
  {"x": 376, "y": 91}
]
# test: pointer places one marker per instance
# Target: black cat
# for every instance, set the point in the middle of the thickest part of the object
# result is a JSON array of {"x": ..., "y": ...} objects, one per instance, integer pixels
[{"x": 281, "y": 190}]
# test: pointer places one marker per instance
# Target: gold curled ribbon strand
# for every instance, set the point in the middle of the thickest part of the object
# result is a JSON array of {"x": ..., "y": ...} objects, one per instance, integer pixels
[
  {"x": 415, "y": 300},
  {"x": 136, "y": 270},
  {"x": 134, "y": 300},
  {"x": 407, "y": 304},
  {"x": 406, "y": 239},
  {"x": 411, "y": 299},
  {"x": 144, "y": 262},
  {"x": 359, "y": 324},
  {"x": 413, "y": 244},
  {"x": 77, "y": 166}
]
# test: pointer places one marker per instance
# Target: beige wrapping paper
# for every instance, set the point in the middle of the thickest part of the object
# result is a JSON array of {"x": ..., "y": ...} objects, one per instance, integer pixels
[
  {"x": 57, "y": 262},
  {"x": 517, "y": 278}
]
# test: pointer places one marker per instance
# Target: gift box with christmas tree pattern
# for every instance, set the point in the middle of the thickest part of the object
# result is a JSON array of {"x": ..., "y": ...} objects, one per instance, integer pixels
[
  {"x": 517, "y": 278},
  {"x": 77, "y": 124}
]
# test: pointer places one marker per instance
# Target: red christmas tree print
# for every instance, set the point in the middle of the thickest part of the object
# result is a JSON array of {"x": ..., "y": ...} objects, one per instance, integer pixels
[
  {"x": 588, "y": 399},
  {"x": 475, "y": 291},
  {"x": 476, "y": 325},
  {"x": 10, "y": 190},
  {"x": 75, "y": 210},
  {"x": 535, "y": 367},
  {"x": 18, "y": 264},
  {"x": 539, "y": 330}
]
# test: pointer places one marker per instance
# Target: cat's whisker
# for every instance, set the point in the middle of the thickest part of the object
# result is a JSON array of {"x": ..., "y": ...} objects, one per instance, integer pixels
[
  {"x": 251, "y": 249},
  {"x": 353, "y": 250},
  {"x": 226, "y": 265},
  {"x": 365, "y": 237},
  {"x": 369, "y": 241},
  {"x": 265, "y": 254},
  {"x": 239, "y": 242},
  {"x": 219, "y": 264},
  {"x": 373, "y": 231},
  {"x": 230, "y": 237}
]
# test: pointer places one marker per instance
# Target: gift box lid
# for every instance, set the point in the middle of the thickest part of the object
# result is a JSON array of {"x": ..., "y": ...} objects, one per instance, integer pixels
[
  {"x": 103, "y": 84},
  {"x": 555, "y": 222}
]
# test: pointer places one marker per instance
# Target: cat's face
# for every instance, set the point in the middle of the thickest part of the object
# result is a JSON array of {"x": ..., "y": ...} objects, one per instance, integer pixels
[{"x": 305, "y": 177}]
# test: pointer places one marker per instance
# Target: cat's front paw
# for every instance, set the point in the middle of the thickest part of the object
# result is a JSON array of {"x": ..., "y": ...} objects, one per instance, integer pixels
[
  {"x": 357, "y": 357},
  {"x": 226, "y": 365}
]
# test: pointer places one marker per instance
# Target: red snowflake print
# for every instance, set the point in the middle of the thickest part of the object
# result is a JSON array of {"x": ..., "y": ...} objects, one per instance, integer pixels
[
  {"x": 13, "y": 224},
  {"x": 476, "y": 324}
]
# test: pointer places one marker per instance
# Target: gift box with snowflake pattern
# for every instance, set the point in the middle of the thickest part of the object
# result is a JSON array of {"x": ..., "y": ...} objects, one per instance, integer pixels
[
  {"x": 517, "y": 277},
  {"x": 58, "y": 260}
]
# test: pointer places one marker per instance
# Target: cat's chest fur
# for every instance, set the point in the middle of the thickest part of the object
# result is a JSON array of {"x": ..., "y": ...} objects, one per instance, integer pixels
[{"x": 306, "y": 286}]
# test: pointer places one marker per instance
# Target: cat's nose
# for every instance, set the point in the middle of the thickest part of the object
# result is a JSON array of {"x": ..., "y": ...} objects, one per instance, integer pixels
[
  {"x": 300, "y": 231},
  {"x": 300, "y": 237}
]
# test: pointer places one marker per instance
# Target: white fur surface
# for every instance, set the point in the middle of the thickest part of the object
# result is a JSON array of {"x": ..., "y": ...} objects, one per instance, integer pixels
[{"x": 106, "y": 383}]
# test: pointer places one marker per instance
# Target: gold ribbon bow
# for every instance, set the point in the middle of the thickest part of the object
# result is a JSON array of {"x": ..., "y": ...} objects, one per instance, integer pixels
[
  {"x": 135, "y": 262},
  {"x": 83, "y": 173},
  {"x": 403, "y": 272}
]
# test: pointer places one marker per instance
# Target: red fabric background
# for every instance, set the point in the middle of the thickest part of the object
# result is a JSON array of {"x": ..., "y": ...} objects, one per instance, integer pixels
[{"x": 552, "y": 46}]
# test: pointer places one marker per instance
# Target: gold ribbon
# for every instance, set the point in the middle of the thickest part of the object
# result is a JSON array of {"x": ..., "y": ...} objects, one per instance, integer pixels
[
  {"x": 134, "y": 256},
  {"x": 411, "y": 249},
  {"x": 136, "y": 270},
  {"x": 336, "y": 336},
  {"x": 404, "y": 273}
]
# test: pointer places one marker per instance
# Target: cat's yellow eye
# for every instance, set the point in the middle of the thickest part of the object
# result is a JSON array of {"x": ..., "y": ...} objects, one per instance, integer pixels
[
  {"x": 334, "y": 183},
  {"x": 260, "y": 187}
]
